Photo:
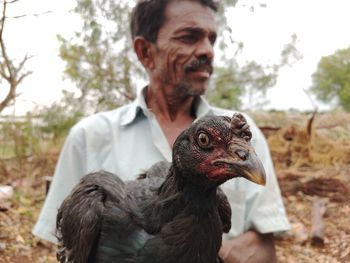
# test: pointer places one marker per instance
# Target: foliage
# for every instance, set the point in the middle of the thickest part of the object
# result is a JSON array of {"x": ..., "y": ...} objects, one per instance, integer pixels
[
  {"x": 233, "y": 82},
  {"x": 30, "y": 135},
  {"x": 60, "y": 117},
  {"x": 100, "y": 58},
  {"x": 19, "y": 137},
  {"x": 45, "y": 127},
  {"x": 101, "y": 62},
  {"x": 332, "y": 78},
  {"x": 225, "y": 91}
]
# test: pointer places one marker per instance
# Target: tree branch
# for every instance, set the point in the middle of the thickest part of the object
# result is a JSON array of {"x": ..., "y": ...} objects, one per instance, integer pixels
[
  {"x": 21, "y": 64},
  {"x": 2, "y": 44},
  {"x": 36, "y": 14},
  {"x": 11, "y": 2},
  {"x": 3, "y": 72},
  {"x": 10, "y": 96},
  {"x": 12, "y": 74},
  {"x": 24, "y": 75}
]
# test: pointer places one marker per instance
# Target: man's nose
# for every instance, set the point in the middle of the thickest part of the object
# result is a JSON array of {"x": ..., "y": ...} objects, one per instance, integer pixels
[{"x": 205, "y": 48}]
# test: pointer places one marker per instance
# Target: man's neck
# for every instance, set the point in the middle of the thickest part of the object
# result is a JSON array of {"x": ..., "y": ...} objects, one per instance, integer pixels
[
  {"x": 173, "y": 113},
  {"x": 168, "y": 105}
]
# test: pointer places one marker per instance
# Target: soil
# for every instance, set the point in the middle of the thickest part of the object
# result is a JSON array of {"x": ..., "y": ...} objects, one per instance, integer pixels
[{"x": 312, "y": 160}]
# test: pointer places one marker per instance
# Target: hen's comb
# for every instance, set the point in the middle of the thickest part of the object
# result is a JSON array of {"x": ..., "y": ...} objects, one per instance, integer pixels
[{"x": 240, "y": 127}]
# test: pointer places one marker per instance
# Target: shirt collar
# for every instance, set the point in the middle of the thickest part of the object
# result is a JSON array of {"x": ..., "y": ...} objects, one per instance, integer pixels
[
  {"x": 134, "y": 108},
  {"x": 202, "y": 108}
]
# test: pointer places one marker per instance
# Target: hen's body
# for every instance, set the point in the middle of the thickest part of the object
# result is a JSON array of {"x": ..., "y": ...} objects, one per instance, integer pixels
[{"x": 173, "y": 213}]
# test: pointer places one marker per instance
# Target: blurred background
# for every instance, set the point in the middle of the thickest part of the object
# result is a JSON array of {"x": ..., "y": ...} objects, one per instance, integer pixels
[{"x": 286, "y": 62}]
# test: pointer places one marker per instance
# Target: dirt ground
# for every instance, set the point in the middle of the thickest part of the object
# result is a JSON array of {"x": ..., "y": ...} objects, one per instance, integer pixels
[{"x": 312, "y": 161}]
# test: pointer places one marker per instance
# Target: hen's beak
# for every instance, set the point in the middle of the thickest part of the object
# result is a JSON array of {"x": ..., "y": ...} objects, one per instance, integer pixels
[
  {"x": 243, "y": 162},
  {"x": 252, "y": 169}
]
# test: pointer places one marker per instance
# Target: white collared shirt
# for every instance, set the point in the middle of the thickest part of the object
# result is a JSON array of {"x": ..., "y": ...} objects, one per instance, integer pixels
[{"x": 128, "y": 140}]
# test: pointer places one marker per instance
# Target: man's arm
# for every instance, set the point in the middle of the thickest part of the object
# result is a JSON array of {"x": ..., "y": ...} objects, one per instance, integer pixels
[
  {"x": 249, "y": 247},
  {"x": 69, "y": 169}
]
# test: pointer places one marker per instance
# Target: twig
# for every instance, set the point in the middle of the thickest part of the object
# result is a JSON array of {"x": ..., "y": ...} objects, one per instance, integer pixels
[
  {"x": 11, "y": 2},
  {"x": 21, "y": 64},
  {"x": 24, "y": 15},
  {"x": 309, "y": 124},
  {"x": 317, "y": 227}
]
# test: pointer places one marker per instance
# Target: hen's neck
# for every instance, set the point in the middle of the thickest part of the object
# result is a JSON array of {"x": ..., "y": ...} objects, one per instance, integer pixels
[{"x": 185, "y": 213}]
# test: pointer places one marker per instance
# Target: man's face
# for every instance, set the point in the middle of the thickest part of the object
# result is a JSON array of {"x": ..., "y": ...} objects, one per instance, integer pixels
[{"x": 184, "y": 47}]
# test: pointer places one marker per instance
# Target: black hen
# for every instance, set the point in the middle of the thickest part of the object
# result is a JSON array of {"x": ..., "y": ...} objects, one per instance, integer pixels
[{"x": 173, "y": 213}]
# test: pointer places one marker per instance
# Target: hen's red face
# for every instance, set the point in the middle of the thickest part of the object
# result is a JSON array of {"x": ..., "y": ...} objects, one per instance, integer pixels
[{"x": 217, "y": 149}]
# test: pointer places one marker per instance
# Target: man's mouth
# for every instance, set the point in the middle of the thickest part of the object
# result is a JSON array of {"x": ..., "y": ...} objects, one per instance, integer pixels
[
  {"x": 201, "y": 73},
  {"x": 200, "y": 67}
]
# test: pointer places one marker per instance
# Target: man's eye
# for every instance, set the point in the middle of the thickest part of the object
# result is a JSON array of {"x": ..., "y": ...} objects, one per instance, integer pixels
[
  {"x": 212, "y": 40},
  {"x": 188, "y": 39}
]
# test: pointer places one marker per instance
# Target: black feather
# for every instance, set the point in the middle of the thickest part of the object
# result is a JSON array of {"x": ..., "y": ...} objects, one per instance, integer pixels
[{"x": 171, "y": 213}]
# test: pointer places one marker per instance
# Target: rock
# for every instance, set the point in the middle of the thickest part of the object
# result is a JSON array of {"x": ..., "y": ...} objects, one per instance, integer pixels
[
  {"x": 299, "y": 232},
  {"x": 2, "y": 246},
  {"x": 6, "y": 192}
]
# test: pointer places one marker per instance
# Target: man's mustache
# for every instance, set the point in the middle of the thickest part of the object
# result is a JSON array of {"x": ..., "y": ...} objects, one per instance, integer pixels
[{"x": 201, "y": 63}]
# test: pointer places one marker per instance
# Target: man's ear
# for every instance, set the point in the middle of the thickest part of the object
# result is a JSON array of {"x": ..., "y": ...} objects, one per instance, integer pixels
[{"x": 144, "y": 51}]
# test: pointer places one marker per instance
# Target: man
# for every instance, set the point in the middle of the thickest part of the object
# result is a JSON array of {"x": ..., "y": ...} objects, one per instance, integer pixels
[{"x": 173, "y": 39}]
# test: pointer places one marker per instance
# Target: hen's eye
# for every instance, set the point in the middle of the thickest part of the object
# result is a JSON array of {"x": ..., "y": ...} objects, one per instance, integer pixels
[{"x": 203, "y": 140}]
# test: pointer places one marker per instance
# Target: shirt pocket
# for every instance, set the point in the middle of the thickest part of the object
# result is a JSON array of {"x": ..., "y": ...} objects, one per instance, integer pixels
[{"x": 237, "y": 202}]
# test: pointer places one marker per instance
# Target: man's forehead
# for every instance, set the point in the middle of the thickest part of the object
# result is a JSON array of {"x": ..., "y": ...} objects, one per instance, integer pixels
[{"x": 187, "y": 15}]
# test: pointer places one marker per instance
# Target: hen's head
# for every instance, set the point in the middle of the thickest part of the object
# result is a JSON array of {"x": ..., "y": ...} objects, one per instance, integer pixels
[{"x": 215, "y": 149}]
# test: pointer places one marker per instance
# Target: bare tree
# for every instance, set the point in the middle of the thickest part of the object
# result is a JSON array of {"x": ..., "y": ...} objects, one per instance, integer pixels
[{"x": 10, "y": 72}]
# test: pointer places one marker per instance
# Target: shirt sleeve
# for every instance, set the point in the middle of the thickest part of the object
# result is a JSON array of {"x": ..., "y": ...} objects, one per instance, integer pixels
[
  {"x": 265, "y": 211},
  {"x": 70, "y": 168},
  {"x": 256, "y": 207}
]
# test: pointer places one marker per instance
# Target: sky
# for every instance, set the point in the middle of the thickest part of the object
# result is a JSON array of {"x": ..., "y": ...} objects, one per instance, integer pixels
[{"x": 322, "y": 26}]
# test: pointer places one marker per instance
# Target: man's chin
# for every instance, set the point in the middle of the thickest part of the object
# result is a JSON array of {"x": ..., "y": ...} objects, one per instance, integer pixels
[
  {"x": 197, "y": 91},
  {"x": 192, "y": 89}
]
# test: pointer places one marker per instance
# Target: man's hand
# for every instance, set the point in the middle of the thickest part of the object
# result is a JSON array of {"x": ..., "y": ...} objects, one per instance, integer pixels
[{"x": 250, "y": 247}]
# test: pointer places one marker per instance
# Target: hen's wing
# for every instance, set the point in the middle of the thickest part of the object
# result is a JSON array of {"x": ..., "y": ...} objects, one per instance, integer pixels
[
  {"x": 148, "y": 183},
  {"x": 93, "y": 220},
  {"x": 224, "y": 209}
]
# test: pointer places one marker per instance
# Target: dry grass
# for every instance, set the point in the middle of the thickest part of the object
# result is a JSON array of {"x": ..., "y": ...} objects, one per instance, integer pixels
[{"x": 312, "y": 161}]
